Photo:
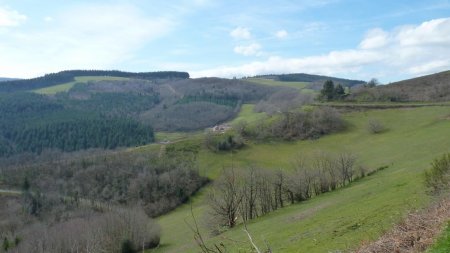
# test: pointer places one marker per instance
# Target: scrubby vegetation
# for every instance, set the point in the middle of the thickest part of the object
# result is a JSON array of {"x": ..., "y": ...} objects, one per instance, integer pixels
[
  {"x": 223, "y": 141},
  {"x": 438, "y": 177},
  {"x": 77, "y": 229},
  {"x": 294, "y": 125},
  {"x": 159, "y": 184}
]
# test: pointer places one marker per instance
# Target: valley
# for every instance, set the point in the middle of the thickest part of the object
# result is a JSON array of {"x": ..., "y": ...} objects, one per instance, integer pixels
[{"x": 274, "y": 125}]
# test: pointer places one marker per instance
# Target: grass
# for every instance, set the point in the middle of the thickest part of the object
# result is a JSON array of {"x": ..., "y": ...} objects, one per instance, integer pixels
[
  {"x": 443, "y": 243},
  {"x": 79, "y": 79},
  {"x": 174, "y": 136},
  {"x": 302, "y": 86},
  {"x": 343, "y": 219},
  {"x": 247, "y": 114}
]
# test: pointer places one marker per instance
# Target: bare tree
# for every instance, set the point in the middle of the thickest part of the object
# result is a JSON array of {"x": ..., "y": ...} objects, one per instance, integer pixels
[
  {"x": 248, "y": 204},
  {"x": 346, "y": 162},
  {"x": 225, "y": 198}
]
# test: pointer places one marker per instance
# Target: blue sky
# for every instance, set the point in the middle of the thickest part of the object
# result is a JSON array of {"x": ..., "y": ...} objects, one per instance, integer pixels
[{"x": 389, "y": 40}]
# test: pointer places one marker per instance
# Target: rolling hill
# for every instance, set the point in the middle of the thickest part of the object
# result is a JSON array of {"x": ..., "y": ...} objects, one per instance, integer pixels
[
  {"x": 434, "y": 87},
  {"x": 392, "y": 161},
  {"x": 314, "y": 79},
  {"x": 39, "y": 109}
]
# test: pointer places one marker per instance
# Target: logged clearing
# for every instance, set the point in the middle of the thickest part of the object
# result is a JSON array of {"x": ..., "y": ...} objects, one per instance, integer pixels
[
  {"x": 79, "y": 79},
  {"x": 302, "y": 86},
  {"x": 339, "y": 220}
]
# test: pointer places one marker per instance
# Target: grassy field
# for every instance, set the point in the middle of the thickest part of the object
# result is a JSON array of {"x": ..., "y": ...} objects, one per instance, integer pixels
[
  {"x": 79, "y": 79},
  {"x": 342, "y": 219},
  {"x": 302, "y": 86},
  {"x": 247, "y": 114}
]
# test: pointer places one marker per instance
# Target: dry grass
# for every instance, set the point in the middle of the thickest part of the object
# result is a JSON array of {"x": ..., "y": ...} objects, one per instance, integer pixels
[{"x": 415, "y": 234}]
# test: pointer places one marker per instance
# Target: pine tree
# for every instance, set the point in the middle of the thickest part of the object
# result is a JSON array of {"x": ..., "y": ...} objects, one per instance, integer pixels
[
  {"x": 339, "y": 91},
  {"x": 327, "y": 91}
]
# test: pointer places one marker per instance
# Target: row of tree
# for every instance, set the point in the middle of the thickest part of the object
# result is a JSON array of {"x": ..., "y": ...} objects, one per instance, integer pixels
[{"x": 250, "y": 193}]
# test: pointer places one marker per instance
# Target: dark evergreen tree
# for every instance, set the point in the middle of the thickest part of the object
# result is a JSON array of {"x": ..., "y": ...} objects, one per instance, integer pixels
[
  {"x": 339, "y": 91},
  {"x": 327, "y": 91}
]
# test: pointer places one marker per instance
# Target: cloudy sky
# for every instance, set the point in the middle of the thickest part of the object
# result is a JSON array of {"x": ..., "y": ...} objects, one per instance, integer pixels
[{"x": 386, "y": 39}]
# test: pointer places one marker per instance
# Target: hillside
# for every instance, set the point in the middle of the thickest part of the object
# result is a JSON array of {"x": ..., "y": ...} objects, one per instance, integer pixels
[
  {"x": 55, "y": 140},
  {"x": 164, "y": 101},
  {"x": 434, "y": 87},
  {"x": 314, "y": 79},
  {"x": 336, "y": 221},
  {"x": 69, "y": 76}
]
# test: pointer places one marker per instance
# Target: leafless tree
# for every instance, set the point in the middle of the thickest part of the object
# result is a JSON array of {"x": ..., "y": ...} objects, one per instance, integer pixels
[
  {"x": 226, "y": 197},
  {"x": 345, "y": 163}
]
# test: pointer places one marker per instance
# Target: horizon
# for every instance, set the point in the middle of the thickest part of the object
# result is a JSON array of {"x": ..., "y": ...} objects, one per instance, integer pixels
[{"x": 390, "y": 41}]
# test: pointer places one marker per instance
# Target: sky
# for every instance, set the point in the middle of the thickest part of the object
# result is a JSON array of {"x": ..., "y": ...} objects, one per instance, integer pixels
[{"x": 384, "y": 39}]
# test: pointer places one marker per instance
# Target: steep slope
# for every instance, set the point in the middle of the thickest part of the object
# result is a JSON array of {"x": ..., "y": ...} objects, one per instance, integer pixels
[{"x": 339, "y": 220}]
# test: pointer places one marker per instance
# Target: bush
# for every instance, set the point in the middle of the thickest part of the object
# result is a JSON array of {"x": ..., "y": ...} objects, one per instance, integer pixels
[
  {"x": 223, "y": 142},
  {"x": 375, "y": 126},
  {"x": 438, "y": 177}
]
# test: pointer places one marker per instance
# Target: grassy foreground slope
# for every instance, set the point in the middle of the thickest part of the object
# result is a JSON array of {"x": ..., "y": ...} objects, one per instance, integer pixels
[{"x": 342, "y": 219}]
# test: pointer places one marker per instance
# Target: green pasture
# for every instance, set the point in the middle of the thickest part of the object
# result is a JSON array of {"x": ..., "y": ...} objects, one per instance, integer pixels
[{"x": 339, "y": 220}]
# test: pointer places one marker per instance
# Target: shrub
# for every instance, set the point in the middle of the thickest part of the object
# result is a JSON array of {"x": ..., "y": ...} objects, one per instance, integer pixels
[
  {"x": 438, "y": 177},
  {"x": 375, "y": 126}
]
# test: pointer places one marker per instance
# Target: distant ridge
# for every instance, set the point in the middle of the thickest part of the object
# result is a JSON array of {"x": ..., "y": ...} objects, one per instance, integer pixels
[
  {"x": 4, "y": 79},
  {"x": 434, "y": 87},
  {"x": 69, "y": 76},
  {"x": 302, "y": 77}
]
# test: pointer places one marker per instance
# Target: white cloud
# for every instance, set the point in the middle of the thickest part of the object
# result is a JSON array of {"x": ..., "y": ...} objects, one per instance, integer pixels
[
  {"x": 281, "y": 34},
  {"x": 429, "y": 67},
  {"x": 89, "y": 36},
  {"x": 435, "y": 32},
  {"x": 408, "y": 50},
  {"x": 375, "y": 38},
  {"x": 9, "y": 18},
  {"x": 252, "y": 49},
  {"x": 241, "y": 33}
]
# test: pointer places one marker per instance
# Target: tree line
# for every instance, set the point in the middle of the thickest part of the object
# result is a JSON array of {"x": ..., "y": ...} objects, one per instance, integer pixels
[{"x": 250, "y": 193}]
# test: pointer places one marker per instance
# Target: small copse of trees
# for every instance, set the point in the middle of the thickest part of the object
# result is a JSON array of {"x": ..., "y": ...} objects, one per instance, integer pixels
[{"x": 331, "y": 92}]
